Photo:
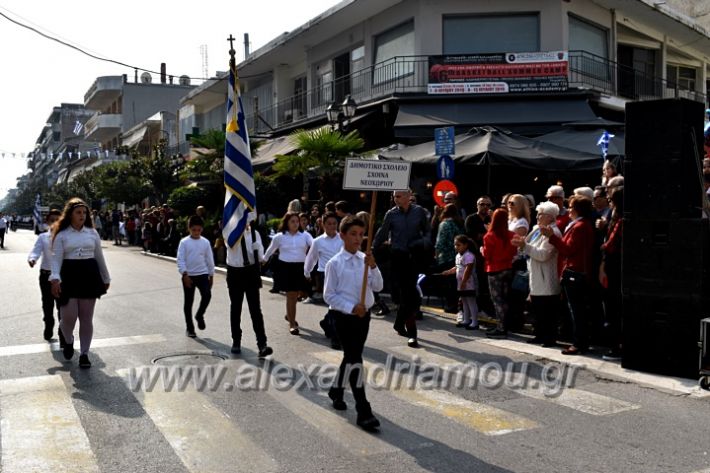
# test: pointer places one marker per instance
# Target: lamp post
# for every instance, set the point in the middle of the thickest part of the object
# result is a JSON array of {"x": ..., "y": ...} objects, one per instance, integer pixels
[{"x": 341, "y": 114}]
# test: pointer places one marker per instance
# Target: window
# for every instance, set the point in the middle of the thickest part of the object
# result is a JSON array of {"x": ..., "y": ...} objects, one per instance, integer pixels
[
  {"x": 357, "y": 64},
  {"x": 324, "y": 85},
  {"x": 682, "y": 77},
  {"x": 587, "y": 37},
  {"x": 491, "y": 34},
  {"x": 398, "y": 41}
]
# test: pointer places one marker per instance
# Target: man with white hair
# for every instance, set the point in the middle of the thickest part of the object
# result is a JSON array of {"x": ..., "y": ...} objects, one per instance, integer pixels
[{"x": 556, "y": 195}]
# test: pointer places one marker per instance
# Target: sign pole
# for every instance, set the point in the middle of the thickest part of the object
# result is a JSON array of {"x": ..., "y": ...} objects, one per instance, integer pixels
[{"x": 370, "y": 236}]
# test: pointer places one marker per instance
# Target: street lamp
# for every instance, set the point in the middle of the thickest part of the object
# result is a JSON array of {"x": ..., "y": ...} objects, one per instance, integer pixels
[{"x": 341, "y": 113}]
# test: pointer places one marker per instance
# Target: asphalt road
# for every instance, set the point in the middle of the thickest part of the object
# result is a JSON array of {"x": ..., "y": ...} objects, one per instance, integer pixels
[{"x": 56, "y": 417}]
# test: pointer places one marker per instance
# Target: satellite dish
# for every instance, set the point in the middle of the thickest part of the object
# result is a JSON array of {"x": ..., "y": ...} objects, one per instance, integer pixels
[
  {"x": 184, "y": 80},
  {"x": 146, "y": 78}
]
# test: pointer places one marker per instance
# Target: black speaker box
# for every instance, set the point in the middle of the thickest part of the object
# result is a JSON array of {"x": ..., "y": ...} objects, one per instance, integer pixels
[
  {"x": 666, "y": 256},
  {"x": 663, "y": 162},
  {"x": 661, "y": 334}
]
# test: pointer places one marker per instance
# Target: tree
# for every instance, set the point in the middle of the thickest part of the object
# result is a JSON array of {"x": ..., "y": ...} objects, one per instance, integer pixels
[{"x": 321, "y": 151}]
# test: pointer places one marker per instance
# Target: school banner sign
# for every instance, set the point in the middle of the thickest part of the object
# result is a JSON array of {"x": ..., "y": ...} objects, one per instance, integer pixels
[
  {"x": 372, "y": 175},
  {"x": 498, "y": 73}
]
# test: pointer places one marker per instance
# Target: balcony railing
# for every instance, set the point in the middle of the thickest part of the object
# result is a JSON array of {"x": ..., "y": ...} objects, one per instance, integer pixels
[
  {"x": 608, "y": 77},
  {"x": 409, "y": 74}
]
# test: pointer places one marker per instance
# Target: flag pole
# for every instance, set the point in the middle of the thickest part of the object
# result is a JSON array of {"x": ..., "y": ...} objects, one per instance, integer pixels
[{"x": 370, "y": 227}]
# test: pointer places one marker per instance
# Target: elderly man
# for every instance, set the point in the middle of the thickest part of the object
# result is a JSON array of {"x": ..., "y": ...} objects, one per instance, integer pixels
[
  {"x": 407, "y": 231},
  {"x": 556, "y": 194}
]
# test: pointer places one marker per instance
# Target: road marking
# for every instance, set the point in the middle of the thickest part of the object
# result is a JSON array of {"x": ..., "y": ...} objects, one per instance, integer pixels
[
  {"x": 331, "y": 425},
  {"x": 573, "y": 398},
  {"x": 96, "y": 343},
  {"x": 483, "y": 418},
  {"x": 668, "y": 384},
  {"x": 203, "y": 437},
  {"x": 41, "y": 431}
]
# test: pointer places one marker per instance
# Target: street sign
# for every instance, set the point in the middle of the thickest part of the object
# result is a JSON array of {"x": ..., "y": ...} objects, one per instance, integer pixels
[
  {"x": 373, "y": 175},
  {"x": 445, "y": 167},
  {"x": 444, "y": 141},
  {"x": 441, "y": 189}
]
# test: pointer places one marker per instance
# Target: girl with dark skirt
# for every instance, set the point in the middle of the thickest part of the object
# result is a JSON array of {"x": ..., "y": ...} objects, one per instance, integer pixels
[
  {"x": 292, "y": 245},
  {"x": 79, "y": 275}
]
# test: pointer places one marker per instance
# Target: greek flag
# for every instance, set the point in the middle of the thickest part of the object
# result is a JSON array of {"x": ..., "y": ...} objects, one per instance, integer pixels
[
  {"x": 240, "y": 195},
  {"x": 36, "y": 212},
  {"x": 77, "y": 127},
  {"x": 603, "y": 142}
]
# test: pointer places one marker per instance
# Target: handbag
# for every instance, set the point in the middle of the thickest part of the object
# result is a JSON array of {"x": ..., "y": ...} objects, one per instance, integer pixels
[{"x": 521, "y": 281}]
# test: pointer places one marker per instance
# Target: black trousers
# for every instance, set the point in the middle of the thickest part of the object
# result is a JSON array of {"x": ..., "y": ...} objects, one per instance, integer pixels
[
  {"x": 576, "y": 290},
  {"x": 545, "y": 310},
  {"x": 352, "y": 332},
  {"x": 2, "y": 238},
  {"x": 202, "y": 284},
  {"x": 48, "y": 301},
  {"x": 241, "y": 282},
  {"x": 405, "y": 273},
  {"x": 613, "y": 302}
]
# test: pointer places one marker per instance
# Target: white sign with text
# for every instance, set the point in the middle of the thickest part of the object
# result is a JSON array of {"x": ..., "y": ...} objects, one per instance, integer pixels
[{"x": 372, "y": 175}]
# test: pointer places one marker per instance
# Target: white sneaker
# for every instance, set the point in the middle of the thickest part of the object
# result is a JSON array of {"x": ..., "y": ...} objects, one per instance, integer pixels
[
  {"x": 459, "y": 317},
  {"x": 309, "y": 300}
]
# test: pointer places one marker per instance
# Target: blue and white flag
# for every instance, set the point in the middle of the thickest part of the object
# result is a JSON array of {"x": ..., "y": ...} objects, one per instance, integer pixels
[
  {"x": 603, "y": 142},
  {"x": 240, "y": 194},
  {"x": 37, "y": 212},
  {"x": 78, "y": 126}
]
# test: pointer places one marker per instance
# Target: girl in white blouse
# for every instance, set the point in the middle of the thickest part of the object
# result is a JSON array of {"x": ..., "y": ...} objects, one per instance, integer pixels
[
  {"x": 292, "y": 245},
  {"x": 79, "y": 275}
]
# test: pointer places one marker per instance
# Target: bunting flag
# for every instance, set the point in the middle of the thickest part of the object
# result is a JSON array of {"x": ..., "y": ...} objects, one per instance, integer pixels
[
  {"x": 240, "y": 195},
  {"x": 603, "y": 142},
  {"x": 36, "y": 212}
]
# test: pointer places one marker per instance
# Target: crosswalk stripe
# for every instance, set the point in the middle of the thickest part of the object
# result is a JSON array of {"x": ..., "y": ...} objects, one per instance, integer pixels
[
  {"x": 331, "y": 425},
  {"x": 573, "y": 398},
  {"x": 41, "y": 431},
  {"x": 96, "y": 343},
  {"x": 203, "y": 437},
  {"x": 480, "y": 417}
]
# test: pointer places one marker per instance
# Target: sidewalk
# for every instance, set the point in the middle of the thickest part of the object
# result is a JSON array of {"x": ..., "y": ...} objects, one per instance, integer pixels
[{"x": 593, "y": 363}]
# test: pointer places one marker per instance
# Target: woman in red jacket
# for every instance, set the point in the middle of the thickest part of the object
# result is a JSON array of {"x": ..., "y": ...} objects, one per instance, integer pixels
[
  {"x": 498, "y": 253},
  {"x": 576, "y": 249}
]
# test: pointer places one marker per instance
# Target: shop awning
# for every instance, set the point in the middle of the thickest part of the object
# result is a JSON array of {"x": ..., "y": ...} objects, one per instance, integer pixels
[
  {"x": 132, "y": 139},
  {"x": 413, "y": 117}
]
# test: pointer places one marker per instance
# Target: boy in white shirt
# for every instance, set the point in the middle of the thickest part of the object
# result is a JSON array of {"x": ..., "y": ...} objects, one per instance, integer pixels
[
  {"x": 196, "y": 265},
  {"x": 322, "y": 250},
  {"x": 343, "y": 284},
  {"x": 43, "y": 250}
]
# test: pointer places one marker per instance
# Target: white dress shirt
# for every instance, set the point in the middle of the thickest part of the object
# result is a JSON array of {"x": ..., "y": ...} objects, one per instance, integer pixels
[
  {"x": 235, "y": 257},
  {"x": 343, "y": 282},
  {"x": 43, "y": 250},
  {"x": 292, "y": 248},
  {"x": 322, "y": 250},
  {"x": 71, "y": 243},
  {"x": 194, "y": 256}
]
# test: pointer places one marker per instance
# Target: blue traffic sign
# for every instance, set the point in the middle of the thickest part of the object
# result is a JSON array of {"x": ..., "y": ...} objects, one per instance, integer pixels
[
  {"x": 445, "y": 167},
  {"x": 444, "y": 141}
]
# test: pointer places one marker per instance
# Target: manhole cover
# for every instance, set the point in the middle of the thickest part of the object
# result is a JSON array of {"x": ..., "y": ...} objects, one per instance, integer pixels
[{"x": 189, "y": 359}]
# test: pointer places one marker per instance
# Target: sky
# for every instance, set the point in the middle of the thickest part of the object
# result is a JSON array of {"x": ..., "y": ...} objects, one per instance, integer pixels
[{"x": 37, "y": 74}]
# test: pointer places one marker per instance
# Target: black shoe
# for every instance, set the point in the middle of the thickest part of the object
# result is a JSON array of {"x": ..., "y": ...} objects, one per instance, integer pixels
[
  {"x": 274, "y": 290},
  {"x": 236, "y": 348},
  {"x": 497, "y": 333},
  {"x": 383, "y": 310},
  {"x": 84, "y": 361},
  {"x": 326, "y": 329},
  {"x": 265, "y": 351},
  {"x": 200, "y": 323},
  {"x": 68, "y": 350},
  {"x": 294, "y": 331},
  {"x": 412, "y": 343},
  {"x": 367, "y": 421},
  {"x": 401, "y": 331},
  {"x": 338, "y": 403},
  {"x": 190, "y": 333},
  {"x": 461, "y": 325},
  {"x": 472, "y": 327},
  {"x": 535, "y": 341},
  {"x": 549, "y": 344},
  {"x": 48, "y": 331},
  {"x": 612, "y": 355},
  {"x": 62, "y": 342}
]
